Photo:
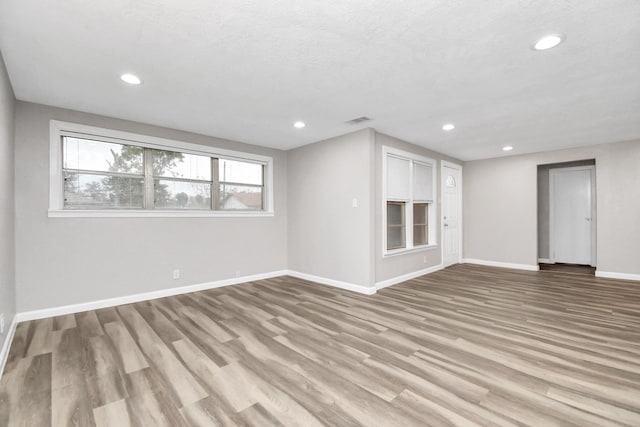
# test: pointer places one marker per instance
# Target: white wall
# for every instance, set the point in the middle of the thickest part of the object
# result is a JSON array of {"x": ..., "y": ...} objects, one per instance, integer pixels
[
  {"x": 400, "y": 264},
  {"x": 500, "y": 206},
  {"x": 7, "y": 248},
  {"x": 62, "y": 261},
  {"x": 327, "y": 236}
]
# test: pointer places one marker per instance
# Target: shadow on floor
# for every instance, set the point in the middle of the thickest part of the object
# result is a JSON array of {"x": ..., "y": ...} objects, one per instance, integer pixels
[{"x": 569, "y": 268}]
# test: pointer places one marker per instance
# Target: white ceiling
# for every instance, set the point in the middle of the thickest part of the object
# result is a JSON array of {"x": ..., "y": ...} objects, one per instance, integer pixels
[{"x": 247, "y": 69}]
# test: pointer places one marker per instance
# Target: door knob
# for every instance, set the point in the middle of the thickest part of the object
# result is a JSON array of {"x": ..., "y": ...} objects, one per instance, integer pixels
[{"x": 588, "y": 219}]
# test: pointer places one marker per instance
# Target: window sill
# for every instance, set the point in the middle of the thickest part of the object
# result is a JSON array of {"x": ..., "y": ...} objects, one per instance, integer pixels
[
  {"x": 396, "y": 252},
  {"x": 58, "y": 213}
]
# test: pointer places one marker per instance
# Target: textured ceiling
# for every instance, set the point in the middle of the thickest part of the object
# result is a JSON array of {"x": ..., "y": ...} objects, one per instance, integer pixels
[{"x": 247, "y": 69}]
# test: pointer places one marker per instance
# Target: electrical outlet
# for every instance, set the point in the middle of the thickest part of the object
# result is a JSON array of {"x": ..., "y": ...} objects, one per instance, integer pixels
[
  {"x": 176, "y": 274},
  {"x": 237, "y": 274},
  {"x": 424, "y": 259},
  {"x": 1, "y": 323}
]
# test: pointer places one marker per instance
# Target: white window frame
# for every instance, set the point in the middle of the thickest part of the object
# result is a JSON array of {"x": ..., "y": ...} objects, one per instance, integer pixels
[
  {"x": 58, "y": 129},
  {"x": 432, "y": 210}
]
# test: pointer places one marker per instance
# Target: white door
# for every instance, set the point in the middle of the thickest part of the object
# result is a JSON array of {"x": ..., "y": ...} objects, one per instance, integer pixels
[
  {"x": 572, "y": 209},
  {"x": 451, "y": 213}
]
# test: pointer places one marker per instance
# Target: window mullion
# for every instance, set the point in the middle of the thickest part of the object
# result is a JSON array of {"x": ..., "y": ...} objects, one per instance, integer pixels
[
  {"x": 149, "y": 193},
  {"x": 409, "y": 228},
  {"x": 409, "y": 210},
  {"x": 215, "y": 187},
  {"x": 264, "y": 193}
]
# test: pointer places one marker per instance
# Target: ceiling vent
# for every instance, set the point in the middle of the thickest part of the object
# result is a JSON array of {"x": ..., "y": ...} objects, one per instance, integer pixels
[{"x": 358, "y": 120}]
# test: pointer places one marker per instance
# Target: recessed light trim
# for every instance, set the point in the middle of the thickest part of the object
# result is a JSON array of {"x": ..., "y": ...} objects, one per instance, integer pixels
[
  {"x": 548, "y": 42},
  {"x": 299, "y": 125},
  {"x": 132, "y": 79},
  {"x": 507, "y": 148},
  {"x": 448, "y": 126}
]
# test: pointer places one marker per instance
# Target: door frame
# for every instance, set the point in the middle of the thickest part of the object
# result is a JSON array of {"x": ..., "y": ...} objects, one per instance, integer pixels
[
  {"x": 594, "y": 202},
  {"x": 444, "y": 163}
]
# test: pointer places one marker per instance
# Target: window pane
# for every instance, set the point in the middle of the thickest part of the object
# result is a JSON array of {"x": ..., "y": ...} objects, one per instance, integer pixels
[
  {"x": 181, "y": 194},
  {"x": 395, "y": 213},
  {"x": 420, "y": 213},
  {"x": 172, "y": 164},
  {"x": 240, "y": 197},
  {"x": 420, "y": 235},
  {"x": 395, "y": 237},
  {"x": 422, "y": 181},
  {"x": 395, "y": 225},
  {"x": 420, "y": 223},
  {"x": 398, "y": 178},
  {"x": 87, "y": 191},
  {"x": 100, "y": 156},
  {"x": 239, "y": 172}
]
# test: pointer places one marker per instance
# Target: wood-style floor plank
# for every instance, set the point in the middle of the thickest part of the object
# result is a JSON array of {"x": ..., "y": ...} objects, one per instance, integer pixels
[
  {"x": 112, "y": 414},
  {"x": 468, "y": 345},
  {"x": 40, "y": 337},
  {"x": 130, "y": 355}
]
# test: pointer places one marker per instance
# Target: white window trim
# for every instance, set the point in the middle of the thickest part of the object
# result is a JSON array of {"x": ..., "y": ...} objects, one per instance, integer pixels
[
  {"x": 57, "y": 129},
  {"x": 408, "y": 212}
]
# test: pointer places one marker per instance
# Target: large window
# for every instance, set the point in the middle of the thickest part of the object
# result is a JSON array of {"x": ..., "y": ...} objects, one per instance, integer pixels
[
  {"x": 97, "y": 170},
  {"x": 409, "y": 197}
]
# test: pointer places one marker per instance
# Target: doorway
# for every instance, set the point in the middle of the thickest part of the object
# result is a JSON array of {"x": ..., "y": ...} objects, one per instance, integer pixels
[
  {"x": 451, "y": 179},
  {"x": 567, "y": 213}
]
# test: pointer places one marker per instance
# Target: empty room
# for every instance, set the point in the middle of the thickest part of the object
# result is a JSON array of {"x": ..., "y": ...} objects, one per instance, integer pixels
[{"x": 319, "y": 213}]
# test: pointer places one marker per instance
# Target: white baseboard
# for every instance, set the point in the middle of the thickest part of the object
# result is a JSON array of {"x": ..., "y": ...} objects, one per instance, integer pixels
[
  {"x": 613, "y": 275},
  {"x": 545, "y": 261},
  {"x": 335, "y": 283},
  {"x": 501, "y": 264},
  {"x": 408, "y": 276},
  {"x": 111, "y": 302},
  {"x": 6, "y": 345}
]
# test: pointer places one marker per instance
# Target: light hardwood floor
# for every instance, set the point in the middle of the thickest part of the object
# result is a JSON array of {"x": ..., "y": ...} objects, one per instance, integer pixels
[{"x": 467, "y": 345}]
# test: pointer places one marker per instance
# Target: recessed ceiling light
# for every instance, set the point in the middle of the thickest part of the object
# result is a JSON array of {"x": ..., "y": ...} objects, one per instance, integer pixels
[
  {"x": 131, "y": 79},
  {"x": 299, "y": 125},
  {"x": 548, "y": 41},
  {"x": 507, "y": 148},
  {"x": 448, "y": 126}
]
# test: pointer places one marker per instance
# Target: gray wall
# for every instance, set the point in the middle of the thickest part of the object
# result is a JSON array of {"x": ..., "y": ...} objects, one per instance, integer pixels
[
  {"x": 7, "y": 247},
  {"x": 499, "y": 216},
  {"x": 60, "y": 261},
  {"x": 327, "y": 237},
  {"x": 400, "y": 264},
  {"x": 543, "y": 202},
  {"x": 63, "y": 261},
  {"x": 500, "y": 206}
]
